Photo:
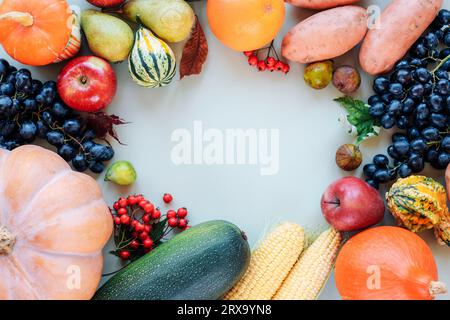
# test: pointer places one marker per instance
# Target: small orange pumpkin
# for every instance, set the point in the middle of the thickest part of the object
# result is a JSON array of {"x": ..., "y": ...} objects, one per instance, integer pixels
[
  {"x": 53, "y": 226},
  {"x": 387, "y": 263},
  {"x": 39, "y": 32}
]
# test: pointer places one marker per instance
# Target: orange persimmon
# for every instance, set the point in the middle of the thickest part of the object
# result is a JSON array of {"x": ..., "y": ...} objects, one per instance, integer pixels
[{"x": 245, "y": 25}]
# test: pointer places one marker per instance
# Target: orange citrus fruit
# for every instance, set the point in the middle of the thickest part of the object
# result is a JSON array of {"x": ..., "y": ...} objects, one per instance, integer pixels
[{"x": 245, "y": 25}]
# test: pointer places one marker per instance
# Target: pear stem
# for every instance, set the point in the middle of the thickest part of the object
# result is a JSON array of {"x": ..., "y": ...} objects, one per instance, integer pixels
[
  {"x": 24, "y": 18},
  {"x": 437, "y": 288},
  {"x": 7, "y": 241}
]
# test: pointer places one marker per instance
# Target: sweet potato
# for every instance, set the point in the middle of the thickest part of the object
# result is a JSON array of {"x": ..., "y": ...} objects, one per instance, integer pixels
[
  {"x": 401, "y": 24},
  {"x": 320, "y": 4},
  {"x": 325, "y": 35}
]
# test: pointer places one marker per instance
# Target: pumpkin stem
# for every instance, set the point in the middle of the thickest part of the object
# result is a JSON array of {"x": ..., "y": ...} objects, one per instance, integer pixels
[
  {"x": 437, "y": 288},
  {"x": 24, "y": 18},
  {"x": 7, "y": 241}
]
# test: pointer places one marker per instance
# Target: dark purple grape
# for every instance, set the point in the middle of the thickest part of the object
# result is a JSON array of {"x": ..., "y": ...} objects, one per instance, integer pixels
[
  {"x": 55, "y": 138},
  {"x": 413, "y": 133},
  {"x": 80, "y": 163},
  {"x": 7, "y": 128},
  {"x": 404, "y": 171},
  {"x": 67, "y": 152},
  {"x": 30, "y": 105},
  {"x": 60, "y": 110},
  {"x": 7, "y": 89},
  {"x": 403, "y": 122},
  {"x": 377, "y": 110},
  {"x": 42, "y": 129},
  {"x": 72, "y": 127},
  {"x": 431, "y": 134},
  {"x": 399, "y": 137},
  {"x": 443, "y": 17},
  {"x": 97, "y": 167},
  {"x": 417, "y": 91},
  {"x": 373, "y": 183},
  {"x": 87, "y": 145},
  {"x": 438, "y": 120},
  {"x": 408, "y": 106},
  {"x": 28, "y": 131},
  {"x": 387, "y": 121},
  {"x": 381, "y": 161},
  {"x": 416, "y": 163},
  {"x": 101, "y": 153},
  {"x": 4, "y": 69},
  {"x": 393, "y": 153},
  {"x": 369, "y": 170},
  {"x": 445, "y": 144},
  {"x": 89, "y": 134},
  {"x": 443, "y": 159},
  {"x": 419, "y": 146},
  {"x": 382, "y": 176},
  {"x": 36, "y": 87},
  {"x": 402, "y": 148}
]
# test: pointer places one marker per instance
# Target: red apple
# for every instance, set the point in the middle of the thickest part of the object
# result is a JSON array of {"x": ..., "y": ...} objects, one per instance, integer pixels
[
  {"x": 351, "y": 204},
  {"x": 87, "y": 84},
  {"x": 106, "y": 3}
]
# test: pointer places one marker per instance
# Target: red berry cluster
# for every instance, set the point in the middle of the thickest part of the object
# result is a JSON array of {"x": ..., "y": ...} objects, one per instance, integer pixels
[
  {"x": 177, "y": 218},
  {"x": 138, "y": 227},
  {"x": 270, "y": 63}
]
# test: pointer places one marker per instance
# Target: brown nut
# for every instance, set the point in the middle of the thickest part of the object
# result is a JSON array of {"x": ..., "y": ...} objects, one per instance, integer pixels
[{"x": 348, "y": 157}]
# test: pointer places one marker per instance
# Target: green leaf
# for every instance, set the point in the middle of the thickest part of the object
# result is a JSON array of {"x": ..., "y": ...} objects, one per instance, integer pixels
[
  {"x": 158, "y": 230},
  {"x": 358, "y": 116}
]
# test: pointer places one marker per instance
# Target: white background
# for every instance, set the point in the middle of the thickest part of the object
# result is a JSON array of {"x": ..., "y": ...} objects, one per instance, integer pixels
[{"x": 230, "y": 94}]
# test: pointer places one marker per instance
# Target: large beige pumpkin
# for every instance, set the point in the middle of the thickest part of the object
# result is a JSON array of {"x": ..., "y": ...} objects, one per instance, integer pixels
[{"x": 53, "y": 226}]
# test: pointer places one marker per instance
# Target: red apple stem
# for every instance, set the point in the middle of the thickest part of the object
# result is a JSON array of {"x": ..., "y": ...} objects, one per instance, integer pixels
[{"x": 83, "y": 79}]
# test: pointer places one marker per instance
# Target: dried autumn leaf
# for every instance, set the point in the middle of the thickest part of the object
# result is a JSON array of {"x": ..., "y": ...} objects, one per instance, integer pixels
[
  {"x": 195, "y": 52},
  {"x": 103, "y": 124}
]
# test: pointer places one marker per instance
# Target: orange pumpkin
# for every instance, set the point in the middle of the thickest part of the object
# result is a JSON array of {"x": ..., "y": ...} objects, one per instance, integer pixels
[
  {"x": 53, "y": 226},
  {"x": 387, "y": 263},
  {"x": 39, "y": 32}
]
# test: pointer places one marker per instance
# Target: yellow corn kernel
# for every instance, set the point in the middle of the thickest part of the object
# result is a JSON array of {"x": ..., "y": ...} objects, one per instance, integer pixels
[
  {"x": 310, "y": 273},
  {"x": 270, "y": 264}
]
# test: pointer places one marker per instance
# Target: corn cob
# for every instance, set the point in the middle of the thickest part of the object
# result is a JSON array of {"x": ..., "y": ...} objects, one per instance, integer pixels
[
  {"x": 270, "y": 264},
  {"x": 308, "y": 276}
]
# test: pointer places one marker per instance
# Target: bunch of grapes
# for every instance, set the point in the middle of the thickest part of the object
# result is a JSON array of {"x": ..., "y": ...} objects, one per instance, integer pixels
[
  {"x": 415, "y": 98},
  {"x": 30, "y": 109}
]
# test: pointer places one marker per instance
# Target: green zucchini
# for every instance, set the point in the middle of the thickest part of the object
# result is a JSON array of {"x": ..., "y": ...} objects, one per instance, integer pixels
[{"x": 201, "y": 263}]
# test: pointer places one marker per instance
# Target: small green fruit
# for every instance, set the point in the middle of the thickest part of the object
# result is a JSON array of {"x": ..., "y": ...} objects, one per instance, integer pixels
[
  {"x": 318, "y": 75},
  {"x": 121, "y": 173}
]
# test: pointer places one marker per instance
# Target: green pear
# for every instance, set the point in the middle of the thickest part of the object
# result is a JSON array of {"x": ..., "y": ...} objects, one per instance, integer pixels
[
  {"x": 171, "y": 20},
  {"x": 108, "y": 37}
]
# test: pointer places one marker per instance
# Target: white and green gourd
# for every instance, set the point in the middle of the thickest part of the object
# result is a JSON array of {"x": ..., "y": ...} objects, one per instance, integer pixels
[{"x": 152, "y": 62}]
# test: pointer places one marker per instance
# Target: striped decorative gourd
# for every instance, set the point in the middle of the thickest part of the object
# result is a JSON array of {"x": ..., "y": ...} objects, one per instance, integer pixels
[{"x": 151, "y": 63}]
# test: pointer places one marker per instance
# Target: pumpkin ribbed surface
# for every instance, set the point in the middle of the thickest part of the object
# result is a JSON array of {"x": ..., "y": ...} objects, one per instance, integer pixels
[
  {"x": 53, "y": 226},
  {"x": 38, "y": 32},
  {"x": 419, "y": 203},
  {"x": 152, "y": 62}
]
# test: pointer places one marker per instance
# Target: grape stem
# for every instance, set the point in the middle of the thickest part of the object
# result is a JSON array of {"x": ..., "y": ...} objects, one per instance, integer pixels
[{"x": 443, "y": 61}]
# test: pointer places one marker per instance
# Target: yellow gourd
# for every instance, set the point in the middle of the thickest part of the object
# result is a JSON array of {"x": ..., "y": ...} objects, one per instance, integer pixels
[{"x": 420, "y": 203}]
